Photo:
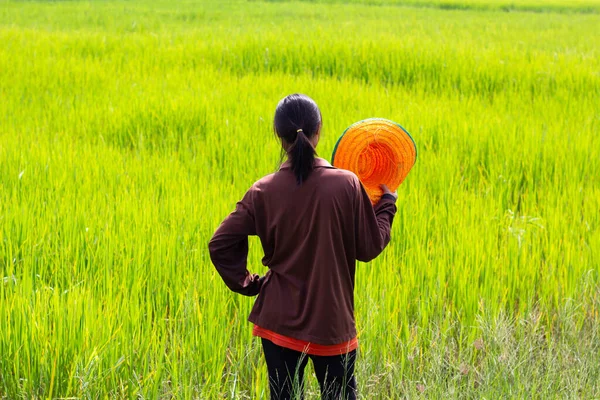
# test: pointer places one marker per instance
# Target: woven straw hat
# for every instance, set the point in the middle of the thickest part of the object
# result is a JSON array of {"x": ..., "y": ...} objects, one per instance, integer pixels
[{"x": 378, "y": 151}]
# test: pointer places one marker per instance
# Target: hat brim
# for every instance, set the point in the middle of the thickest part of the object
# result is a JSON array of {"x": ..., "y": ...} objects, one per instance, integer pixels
[{"x": 378, "y": 151}]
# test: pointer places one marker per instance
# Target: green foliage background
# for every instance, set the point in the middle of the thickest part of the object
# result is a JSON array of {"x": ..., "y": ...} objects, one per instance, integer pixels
[{"x": 128, "y": 130}]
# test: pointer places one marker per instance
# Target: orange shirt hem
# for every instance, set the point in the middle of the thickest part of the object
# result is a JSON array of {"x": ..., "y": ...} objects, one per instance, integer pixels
[{"x": 304, "y": 346}]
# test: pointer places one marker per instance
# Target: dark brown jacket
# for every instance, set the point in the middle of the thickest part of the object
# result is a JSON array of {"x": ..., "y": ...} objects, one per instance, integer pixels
[{"x": 311, "y": 235}]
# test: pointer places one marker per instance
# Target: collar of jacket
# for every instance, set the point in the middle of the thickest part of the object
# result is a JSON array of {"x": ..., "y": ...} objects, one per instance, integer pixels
[{"x": 319, "y": 163}]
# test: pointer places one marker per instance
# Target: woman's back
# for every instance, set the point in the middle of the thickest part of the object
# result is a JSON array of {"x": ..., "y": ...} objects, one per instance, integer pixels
[
  {"x": 314, "y": 222},
  {"x": 311, "y": 234}
]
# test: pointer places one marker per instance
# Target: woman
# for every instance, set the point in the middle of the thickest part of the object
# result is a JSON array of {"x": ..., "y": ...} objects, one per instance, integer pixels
[{"x": 314, "y": 221}]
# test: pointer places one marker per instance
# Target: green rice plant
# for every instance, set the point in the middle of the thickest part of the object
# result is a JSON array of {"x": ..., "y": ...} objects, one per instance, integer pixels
[{"x": 128, "y": 130}]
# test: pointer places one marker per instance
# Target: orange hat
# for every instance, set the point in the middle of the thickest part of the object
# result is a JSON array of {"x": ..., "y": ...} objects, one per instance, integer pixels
[{"x": 378, "y": 151}]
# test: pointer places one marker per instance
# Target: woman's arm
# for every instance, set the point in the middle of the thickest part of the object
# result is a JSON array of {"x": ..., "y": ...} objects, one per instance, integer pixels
[
  {"x": 373, "y": 224},
  {"x": 229, "y": 248}
]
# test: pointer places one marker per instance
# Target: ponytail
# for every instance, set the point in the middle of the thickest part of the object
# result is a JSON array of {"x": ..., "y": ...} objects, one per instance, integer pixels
[
  {"x": 302, "y": 157},
  {"x": 297, "y": 121}
]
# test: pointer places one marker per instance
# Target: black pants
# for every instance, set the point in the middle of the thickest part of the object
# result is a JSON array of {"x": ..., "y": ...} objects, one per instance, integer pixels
[{"x": 286, "y": 373}]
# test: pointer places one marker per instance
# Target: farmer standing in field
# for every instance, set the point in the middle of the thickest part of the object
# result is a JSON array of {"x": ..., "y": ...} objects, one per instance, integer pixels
[{"x": 314, "y": 221}]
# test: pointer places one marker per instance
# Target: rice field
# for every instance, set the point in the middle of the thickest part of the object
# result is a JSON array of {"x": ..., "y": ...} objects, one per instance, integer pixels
[{"x": 129, "y": 129}]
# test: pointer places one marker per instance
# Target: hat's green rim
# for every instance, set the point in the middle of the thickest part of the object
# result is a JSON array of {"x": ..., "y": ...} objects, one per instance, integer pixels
[{"x": 373, "y": 119}]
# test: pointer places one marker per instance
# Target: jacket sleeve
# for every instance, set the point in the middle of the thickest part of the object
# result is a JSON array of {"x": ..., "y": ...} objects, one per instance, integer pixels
[
  {"x": 228, "y": 248},
  {"x": 373, "y": 224}
]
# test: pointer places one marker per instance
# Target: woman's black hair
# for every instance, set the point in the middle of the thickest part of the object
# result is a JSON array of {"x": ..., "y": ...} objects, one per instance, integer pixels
[{"x": 297, "y": 120}]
